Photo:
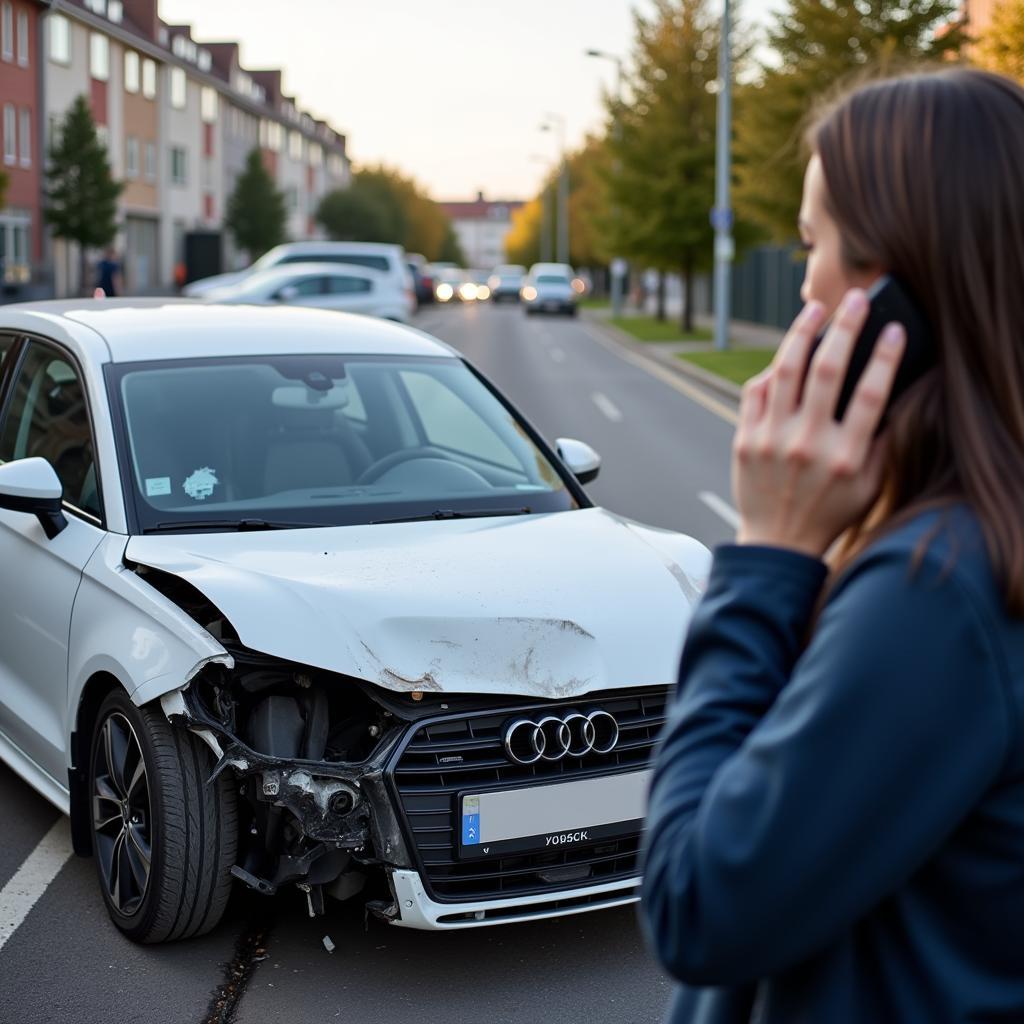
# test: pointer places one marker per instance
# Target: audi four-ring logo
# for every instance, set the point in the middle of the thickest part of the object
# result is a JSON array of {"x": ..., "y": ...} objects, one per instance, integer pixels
[{"x": 551, "y": 738}]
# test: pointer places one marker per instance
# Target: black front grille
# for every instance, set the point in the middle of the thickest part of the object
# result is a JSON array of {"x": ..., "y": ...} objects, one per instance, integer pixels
[{"x": 446, "y": 756}]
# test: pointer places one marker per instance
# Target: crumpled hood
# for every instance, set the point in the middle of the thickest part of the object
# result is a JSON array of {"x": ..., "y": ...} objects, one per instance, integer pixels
[{"x": 550, "y": 605}]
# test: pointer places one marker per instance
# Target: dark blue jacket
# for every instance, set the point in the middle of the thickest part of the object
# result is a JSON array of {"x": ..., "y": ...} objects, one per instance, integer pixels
[{"x": 836, "y": 827}]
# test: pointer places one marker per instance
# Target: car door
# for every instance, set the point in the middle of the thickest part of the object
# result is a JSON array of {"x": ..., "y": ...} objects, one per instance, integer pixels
[{"x": 45, "y": 414}]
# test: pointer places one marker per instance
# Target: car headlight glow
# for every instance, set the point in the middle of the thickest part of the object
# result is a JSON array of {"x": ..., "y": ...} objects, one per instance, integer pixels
[
  {"x": 529, "y": 293},
  {"x": 483, "y": 293},
  {"x": 578, "y": 286},
  {"x": 467, "y": 291},
  {"x": 445, "y": 292}
]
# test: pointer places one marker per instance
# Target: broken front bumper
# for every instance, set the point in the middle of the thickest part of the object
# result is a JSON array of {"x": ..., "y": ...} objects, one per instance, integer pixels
[{"x": 413, "y": 908}]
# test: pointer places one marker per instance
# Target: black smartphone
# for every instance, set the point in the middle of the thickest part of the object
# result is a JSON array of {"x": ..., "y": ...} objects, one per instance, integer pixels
[{"x": 890, "y": 302}]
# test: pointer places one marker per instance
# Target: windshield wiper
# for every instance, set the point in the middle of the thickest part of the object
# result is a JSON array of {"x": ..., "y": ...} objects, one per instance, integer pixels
[
  {"x": 241, "y": 525},
  {"x": 451, "y": 513}
]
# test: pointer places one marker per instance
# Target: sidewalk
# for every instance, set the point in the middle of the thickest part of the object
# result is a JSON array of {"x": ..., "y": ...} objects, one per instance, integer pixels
[{"x": 742, "y": 333}]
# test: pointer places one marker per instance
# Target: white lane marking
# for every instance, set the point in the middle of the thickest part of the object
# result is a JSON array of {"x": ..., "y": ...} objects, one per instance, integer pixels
[
  {"x": 691, "y": 391},
  {"x": 607, "y": 406},
  {"x": 721, "y": 508},
  {"x": 29, "y": 882},
  {"x": 558, "y": 355}
]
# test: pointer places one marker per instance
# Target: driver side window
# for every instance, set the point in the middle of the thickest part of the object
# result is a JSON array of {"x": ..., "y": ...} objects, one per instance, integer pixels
[{"x": 47, "y": 416}]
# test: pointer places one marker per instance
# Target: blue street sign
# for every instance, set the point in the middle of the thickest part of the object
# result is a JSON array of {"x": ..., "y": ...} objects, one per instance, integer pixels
[{"x": 721, "y": 220}]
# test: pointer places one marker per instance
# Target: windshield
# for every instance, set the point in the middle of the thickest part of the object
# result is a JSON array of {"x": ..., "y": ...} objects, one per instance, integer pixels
[
  {"x": 552, "y": 279},
  {"x": 322, "y": 440}
]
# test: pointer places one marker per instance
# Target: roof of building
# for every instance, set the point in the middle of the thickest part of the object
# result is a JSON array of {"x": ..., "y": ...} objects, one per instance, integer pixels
[{"x": 481, "y": 208}]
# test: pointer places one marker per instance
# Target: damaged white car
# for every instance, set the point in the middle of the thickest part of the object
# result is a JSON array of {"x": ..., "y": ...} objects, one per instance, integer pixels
[{"x": 296, "y": 598}]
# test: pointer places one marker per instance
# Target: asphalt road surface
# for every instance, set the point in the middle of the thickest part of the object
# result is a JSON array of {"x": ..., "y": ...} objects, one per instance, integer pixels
[{"x": 665, "y": 451}]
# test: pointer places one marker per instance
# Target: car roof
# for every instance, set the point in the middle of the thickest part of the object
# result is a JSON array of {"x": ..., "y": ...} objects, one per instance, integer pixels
[
  {"x": 140, "y": 330},
  {"x": 386, "y": 248},
  {"x": 311, "y": 267}
]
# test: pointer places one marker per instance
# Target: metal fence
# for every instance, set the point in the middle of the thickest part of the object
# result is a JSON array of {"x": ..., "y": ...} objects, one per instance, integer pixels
[{"x": 766, "y": 285}]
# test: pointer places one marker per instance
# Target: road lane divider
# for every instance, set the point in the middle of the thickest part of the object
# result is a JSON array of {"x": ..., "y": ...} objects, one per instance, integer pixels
[
  {"x": 721, "y": 508},
  {"x": 684, "y": 387},
  {"x": 30, "y": 881},
  {"x": 607, "y": 406}
]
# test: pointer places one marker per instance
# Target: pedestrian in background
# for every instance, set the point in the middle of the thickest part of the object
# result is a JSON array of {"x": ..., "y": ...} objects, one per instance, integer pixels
[
  {"x": 108, "y": 273},
  {"x": 836, "y": 822}
]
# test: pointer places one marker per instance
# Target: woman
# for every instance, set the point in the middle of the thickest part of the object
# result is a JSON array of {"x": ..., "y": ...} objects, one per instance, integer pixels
[{"x": 836, "y": 823}]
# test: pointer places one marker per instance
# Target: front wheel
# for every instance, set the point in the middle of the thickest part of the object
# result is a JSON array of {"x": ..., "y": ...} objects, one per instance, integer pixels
[{"x": 164, "y": 837}]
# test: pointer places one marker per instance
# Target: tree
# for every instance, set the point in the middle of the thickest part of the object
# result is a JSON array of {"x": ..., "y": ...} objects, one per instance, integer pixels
[
  {"x": 81, "y": 193},
  {"x": 256, "y": 212},
  {"x": 383, "y": 205},
  {"x": 1001, "y": 48},
  {"x": 660, "y": 172},
  {"x": 347, "y": 215},
  {"x": 817, "y": 47},
  {"x": 451, "y": 248}
]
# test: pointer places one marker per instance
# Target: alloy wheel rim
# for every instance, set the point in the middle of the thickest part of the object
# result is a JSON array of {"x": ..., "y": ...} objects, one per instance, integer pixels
[{"x": 121, "y": 814}]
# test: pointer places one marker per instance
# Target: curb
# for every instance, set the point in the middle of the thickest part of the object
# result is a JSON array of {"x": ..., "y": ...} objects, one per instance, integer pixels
[{"x": 648, "y": 350}]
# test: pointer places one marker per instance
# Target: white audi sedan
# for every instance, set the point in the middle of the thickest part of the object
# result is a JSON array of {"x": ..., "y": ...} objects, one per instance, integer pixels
[{"x": 298, "y": 598}]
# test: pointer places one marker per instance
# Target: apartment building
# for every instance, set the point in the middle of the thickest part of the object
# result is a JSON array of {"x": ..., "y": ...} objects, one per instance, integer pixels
[
  {"x": 481, "y": 226},
  {"x": 20, "y": 218},
  {"x": 179, "y": 118}
]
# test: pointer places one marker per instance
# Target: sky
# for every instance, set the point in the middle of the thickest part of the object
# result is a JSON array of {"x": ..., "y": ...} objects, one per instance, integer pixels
[{"x": 452, "y": 92}]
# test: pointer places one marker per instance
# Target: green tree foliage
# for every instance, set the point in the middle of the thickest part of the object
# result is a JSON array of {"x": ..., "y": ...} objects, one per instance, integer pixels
[
  {"x": 383, "y": 205},
  {"x": 818, "y": 47},
  {"x": 660, "y": 171},
  {"x": 81, "y": 193},
  {"x": 451, "y": 249},
  {"x": 1001, "y": 48},
  {"x": 256, "y": 213}
]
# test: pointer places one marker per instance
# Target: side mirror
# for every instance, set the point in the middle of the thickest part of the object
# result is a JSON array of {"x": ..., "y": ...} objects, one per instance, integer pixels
[
  {"x": 583, "y": 462},
  {"x": 33, "y": 487},
  {"x": 288, "y": 293}
]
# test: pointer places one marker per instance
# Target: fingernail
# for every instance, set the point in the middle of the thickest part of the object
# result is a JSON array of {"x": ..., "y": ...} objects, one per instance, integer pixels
[
  {"x": 855, "y": 302},
  {"x": 892, "y": 336}
]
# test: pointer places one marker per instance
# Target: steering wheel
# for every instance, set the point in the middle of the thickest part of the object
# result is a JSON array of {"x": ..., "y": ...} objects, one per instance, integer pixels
[{"x": 377, "y": 469}]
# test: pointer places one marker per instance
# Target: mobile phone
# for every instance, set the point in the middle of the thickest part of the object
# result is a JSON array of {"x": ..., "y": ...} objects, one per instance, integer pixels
[{"x": 890, "y": 302}]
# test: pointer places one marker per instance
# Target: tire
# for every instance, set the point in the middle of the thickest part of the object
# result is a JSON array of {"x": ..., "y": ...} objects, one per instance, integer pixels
[{"x": 190, "y": 824}]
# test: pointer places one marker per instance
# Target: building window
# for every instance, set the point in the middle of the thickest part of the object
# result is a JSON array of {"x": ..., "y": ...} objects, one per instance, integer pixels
[
  {"x": 103, "y": 134},
  {"x": 131, "y": 71},
  {"x": 99, "y": 56},
  {"x": 178, "y": 165},
  {"x": 23, "y": 39},
  {"x": 316, "y": 154},
  {"x": 15, "y": 239},
  {"x": 149, "y": 79},
  {"x": 131, "y": 164},
  {"x": 10, "y": 129},
  {"x": 149, "y": 167},
  {"x": 25, "y": 137},
  {"x": 208, "y": 104},
  {"x": 97, "y": 6},
  {"x": 115, "y": 11},
  {"x": 53, "y": 131},
  {"x": 295, "y": 145},
  {"x": 6, "y": 31},
  {"x": 291, "y": 197},
  {"x": 179, "y": 87},
  {"x": 59, "y": 30}
]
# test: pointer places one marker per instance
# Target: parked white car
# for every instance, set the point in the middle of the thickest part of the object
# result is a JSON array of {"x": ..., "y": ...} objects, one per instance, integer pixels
[
  {"x": 350, "y": 289},
  {"x": 380, "y": 256},
  {"x": 548, "y": 288},
  {"x": 298, "y": 597}
]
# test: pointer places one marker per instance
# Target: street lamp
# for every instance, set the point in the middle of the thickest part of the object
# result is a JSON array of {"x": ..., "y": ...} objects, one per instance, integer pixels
[
  {"x": 545, "y": 212},
  {"x": 721, "y": 215},
  {"x": 618, "y": 267},
  {"x": 555, "y": 122}
]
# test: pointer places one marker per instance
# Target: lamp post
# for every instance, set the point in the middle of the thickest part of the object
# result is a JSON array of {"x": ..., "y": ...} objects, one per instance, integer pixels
[
  {"x": 556, "y": 123},
  {"x": 618, "y": 266},
  {"x": 721, "y": 216},
  {"x": 545, "y": 213}
]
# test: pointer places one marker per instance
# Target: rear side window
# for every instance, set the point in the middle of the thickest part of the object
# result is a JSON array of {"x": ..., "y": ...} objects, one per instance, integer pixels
[
  {"x": 348, "y": 285},
  {"x": 48, "y": 417},
  {"x": 353, "y": 259},
  {"x": 302, "y": 288}
]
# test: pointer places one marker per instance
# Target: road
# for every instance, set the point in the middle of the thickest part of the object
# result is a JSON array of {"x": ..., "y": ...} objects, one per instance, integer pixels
[{"x": 665, "y": 455}]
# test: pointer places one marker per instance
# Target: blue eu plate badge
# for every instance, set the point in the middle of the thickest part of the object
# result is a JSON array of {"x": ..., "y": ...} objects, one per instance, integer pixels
[{"x": 470, "y": 820}]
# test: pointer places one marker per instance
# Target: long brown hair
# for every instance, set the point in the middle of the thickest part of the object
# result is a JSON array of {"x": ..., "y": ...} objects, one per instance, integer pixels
[{"x": 925, "y": 177}]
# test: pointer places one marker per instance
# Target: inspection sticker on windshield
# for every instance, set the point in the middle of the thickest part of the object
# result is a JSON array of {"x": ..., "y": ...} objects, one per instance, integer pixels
[
  {"x": 157, "y": 485},
  {"x": 199, "y": 486},
  {"x": 470, "y": 820}
]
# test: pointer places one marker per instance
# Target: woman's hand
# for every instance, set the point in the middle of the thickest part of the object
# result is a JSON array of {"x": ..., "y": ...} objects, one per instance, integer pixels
[{"x": 800, "y": 478}]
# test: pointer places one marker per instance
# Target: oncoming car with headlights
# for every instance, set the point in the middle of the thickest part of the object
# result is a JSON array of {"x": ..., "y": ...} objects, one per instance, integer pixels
[{"x": 301, "y": 599}]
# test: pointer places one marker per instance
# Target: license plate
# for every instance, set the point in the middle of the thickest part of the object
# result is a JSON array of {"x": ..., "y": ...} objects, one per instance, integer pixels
[
  {"x": 552, "y": 307},
  {"x": 551, "y": 817}
]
